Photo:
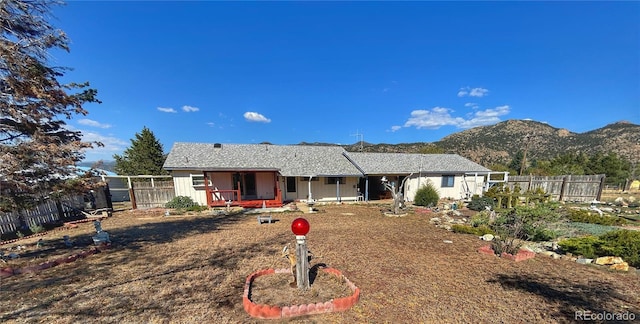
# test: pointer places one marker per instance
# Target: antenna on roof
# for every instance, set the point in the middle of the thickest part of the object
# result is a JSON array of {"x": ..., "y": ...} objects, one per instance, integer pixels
[{"x": 361, "y": 136}]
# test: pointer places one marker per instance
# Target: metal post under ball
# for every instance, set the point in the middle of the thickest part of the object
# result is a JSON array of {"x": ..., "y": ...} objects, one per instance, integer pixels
[{"x": 300, "y": 227}]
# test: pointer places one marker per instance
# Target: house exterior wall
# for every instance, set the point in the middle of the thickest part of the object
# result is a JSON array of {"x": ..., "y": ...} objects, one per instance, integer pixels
[
  {"x": 322, "y": 191},
  {"x": 459, "y": 189},
  {"x": 183, "y": 186},
  {"x": 265, "y": 185}
]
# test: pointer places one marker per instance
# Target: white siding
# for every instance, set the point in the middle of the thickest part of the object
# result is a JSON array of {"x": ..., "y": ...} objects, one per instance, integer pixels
[
  {"x": 459, "y": 190},
  {"x": 321, "y": 191},
  {"x": 265, "y": 183},
  {"x": 183, "y": 186}
]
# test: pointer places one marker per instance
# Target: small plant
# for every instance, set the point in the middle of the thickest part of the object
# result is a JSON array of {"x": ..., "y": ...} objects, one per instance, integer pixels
[
  {"x": 481, "y": 218},
  {"x": 19, "y": 234},
  {"x": 584, "y": 216},
  {"x": 35, "y": 229},
  {"x": 510, "y": 229},
  {"x": 481, "y": 203},
  {"x": 181, "y": 202},
  {"x": 427, "y": 195}
]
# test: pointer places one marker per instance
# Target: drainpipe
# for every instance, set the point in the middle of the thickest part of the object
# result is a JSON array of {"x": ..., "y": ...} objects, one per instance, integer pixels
[
  {"x": 310, "y": 198},
  {"x": 338, "y": 190}
]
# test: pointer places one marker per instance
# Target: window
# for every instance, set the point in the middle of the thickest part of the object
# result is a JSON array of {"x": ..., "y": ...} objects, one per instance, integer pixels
[
  {"x": 448, "y": 181},
  {"x": 334, "y": 180},
  {"x": 197, "y": 180},
  {"x": 307, "y": 179},
  {"x": 291, "y": 184}
]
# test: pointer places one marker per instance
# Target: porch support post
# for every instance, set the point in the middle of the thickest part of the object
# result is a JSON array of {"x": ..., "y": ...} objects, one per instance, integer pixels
[
  {"x": 310, "y": 198},
  {"x": 338, "y": 190},
  {"x": 366, "y": 189},
  {"x": 206, "y": 189}
]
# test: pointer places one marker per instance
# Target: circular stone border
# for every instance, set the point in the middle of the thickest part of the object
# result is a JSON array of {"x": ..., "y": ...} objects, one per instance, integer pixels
[{"x": 275, "y": 312}]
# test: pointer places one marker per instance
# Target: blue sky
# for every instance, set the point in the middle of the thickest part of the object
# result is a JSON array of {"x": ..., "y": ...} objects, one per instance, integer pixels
[{"x": 396, "y": 72}]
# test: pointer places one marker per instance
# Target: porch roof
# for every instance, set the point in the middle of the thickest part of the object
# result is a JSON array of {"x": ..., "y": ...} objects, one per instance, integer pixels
[
  {"x": 289, "y": 160},
  {"x": 406, "y": 163}
]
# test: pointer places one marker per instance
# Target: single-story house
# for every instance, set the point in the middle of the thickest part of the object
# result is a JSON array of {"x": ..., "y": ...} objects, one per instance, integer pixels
[{"x": 253, "y": 175}]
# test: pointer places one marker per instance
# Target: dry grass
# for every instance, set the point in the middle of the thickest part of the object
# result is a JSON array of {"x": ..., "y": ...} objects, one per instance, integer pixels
[{"x": 192, "y": 270}]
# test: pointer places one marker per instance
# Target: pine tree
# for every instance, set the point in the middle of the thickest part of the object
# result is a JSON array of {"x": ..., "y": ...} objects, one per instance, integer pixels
[
  {"x": 37, "y": 151},
  {"x": 145, "y": 156}
]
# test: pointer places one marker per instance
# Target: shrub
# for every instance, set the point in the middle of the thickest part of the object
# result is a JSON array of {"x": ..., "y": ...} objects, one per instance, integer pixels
[
  {"x": 586, "y": 246},
  {"x": 622, "y": 243},
  {"x": 466, "y": 229},
  {"x": 584, "y": 216},
  {"x": 35, "y": 229},
  {"x": 481, "y": 218},
  {"x": 181, "y": 202},
  {"x": 510, "y": 229},
  {"x": 427, "y": 195},
  {"x": 480, "y": 203}
]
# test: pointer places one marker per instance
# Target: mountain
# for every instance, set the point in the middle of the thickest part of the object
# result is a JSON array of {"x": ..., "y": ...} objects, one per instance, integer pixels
[
  {"x": 106, "y": 165},
  {"x": 499, "y": 143}
]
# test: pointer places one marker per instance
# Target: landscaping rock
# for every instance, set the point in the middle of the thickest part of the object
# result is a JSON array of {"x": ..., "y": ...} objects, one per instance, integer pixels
[
  {"x": 448, "y": 241},
  {"x": 584, "y": 261},
  {"x": 623, "y": 266},
  {"x": 551, "y": 254},
  {"x": 607, "y": 260},
  {"x": 487, "y": 237}
]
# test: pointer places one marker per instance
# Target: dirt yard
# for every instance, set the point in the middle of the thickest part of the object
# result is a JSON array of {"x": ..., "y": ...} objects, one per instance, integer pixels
[{"x": 192, "y": 269}]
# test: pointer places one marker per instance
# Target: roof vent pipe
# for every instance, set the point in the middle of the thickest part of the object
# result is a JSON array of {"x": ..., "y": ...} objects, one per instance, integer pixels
[{"x": 217, "y": 145}]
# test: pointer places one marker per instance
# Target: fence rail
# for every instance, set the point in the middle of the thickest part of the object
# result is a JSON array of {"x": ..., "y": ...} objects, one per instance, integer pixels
[{"x": 562, "y": 188}]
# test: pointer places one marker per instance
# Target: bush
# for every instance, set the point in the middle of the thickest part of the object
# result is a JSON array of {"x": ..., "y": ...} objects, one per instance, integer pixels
[
  {"x": 584, "y": 216},
  {"x": 480, "y": 203},
  {"x": 427, "y": 196},
  {"x": 181, "y": 202},
  {"x": 622, "y": 243},
  {"x": 481, "y": 218},
  {"x": 587, "y": 246},
  {"x": 35, "y": 229},
  {"x": 466, "y": 229}
]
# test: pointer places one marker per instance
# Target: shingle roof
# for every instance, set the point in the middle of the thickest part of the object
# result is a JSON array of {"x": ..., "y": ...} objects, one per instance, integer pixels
[
  {"x": 405, "y": 163},
  {"x": 302, "y": 160},
  {"x": 290, "y": 160}
]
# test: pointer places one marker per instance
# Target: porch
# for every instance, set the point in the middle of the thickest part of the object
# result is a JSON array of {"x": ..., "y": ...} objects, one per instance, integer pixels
[
  {"x": 247, "y": 189},
  {"x": 223, "y": 198}
]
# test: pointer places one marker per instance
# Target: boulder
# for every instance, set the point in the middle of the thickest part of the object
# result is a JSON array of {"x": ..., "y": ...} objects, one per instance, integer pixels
[
  {"x": 487, "y": 237},
  {"x": 551, "y": 254},
  {"x": 623, "y": 266},
  {"x": 607, "y": 260},
  {"x": 584, "y": 261}
]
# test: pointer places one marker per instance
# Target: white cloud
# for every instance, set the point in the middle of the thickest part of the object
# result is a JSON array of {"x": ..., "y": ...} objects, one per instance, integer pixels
[
  {"x": 190, "y": 108},
  {"x": 167, "y": 110},
  {"x": 475, "y": 92},
  {"x": 112, "y": 145},
  {"x": 92, "y": 123},
  {"x": 211, "y": 124},
  {"x": 472, "y": 105},
  {"x": 432, "y": 119},
  {"x": 256, "y": 117},
  {"x": 439, "y": 116},
  {"x": 395, "y": 128}
]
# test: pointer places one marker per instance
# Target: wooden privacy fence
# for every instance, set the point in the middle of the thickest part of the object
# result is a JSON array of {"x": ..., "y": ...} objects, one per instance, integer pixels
[
  {"x": 151, "y": 194},
  {"x": 49, "y": 211},
  {"x": 581, "y": 188}
]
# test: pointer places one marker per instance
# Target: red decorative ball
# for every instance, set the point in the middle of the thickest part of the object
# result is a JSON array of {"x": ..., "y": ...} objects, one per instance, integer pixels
[{"x": 300, "y": 226}]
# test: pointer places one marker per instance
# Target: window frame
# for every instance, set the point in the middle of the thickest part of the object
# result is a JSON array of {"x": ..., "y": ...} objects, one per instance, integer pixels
[{"x": 448, "y": 181}]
